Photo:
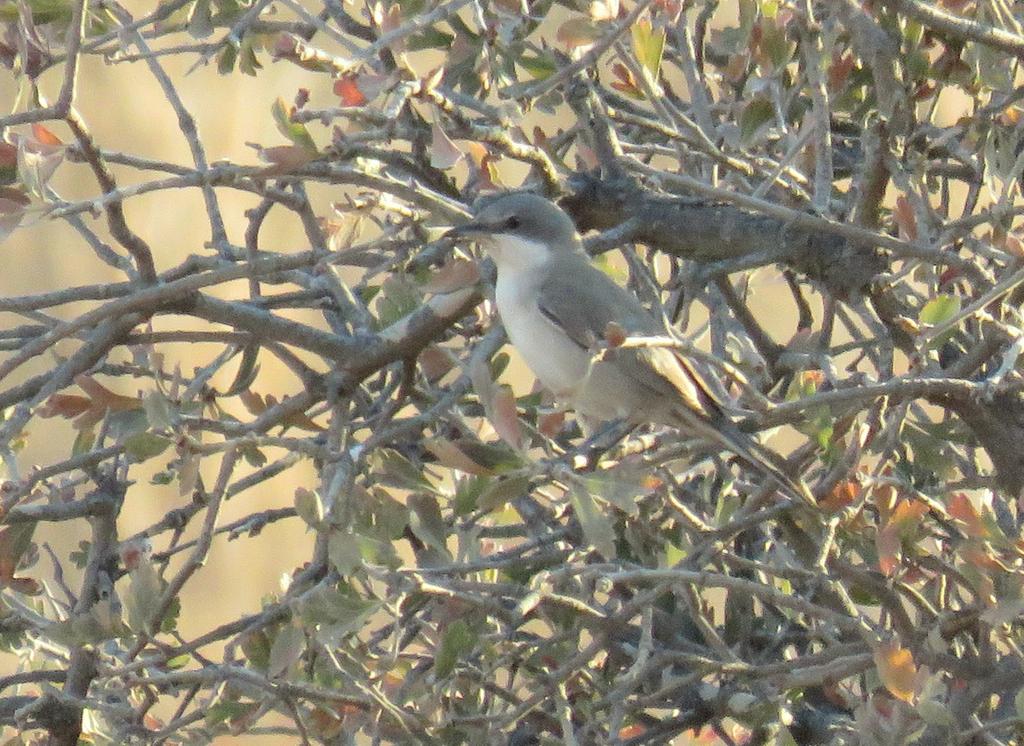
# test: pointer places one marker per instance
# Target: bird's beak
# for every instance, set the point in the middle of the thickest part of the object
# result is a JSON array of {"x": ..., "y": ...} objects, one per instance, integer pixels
[{"x": 472, "y": 229}]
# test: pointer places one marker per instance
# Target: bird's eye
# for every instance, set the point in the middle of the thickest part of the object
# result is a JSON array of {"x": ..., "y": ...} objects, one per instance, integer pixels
[{"x": 512, "y": 223}]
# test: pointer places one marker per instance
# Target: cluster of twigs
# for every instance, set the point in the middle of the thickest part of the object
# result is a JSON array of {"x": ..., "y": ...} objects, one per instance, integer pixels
[{"x": 476, "y": 570}]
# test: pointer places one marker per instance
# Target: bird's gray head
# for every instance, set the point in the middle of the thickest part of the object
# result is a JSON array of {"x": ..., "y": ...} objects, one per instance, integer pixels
[{"x": 509, "y": 223}]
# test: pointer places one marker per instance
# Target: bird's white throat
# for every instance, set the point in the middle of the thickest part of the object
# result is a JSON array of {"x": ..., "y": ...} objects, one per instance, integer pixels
[{"x": 515, "y": 254}]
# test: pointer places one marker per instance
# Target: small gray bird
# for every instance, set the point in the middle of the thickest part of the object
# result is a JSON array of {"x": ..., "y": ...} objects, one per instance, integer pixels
[{"x": 556, "y": 305}]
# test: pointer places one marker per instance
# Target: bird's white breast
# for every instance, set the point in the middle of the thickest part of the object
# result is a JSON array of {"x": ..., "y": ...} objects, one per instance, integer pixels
[{"x": 555, "y": 359}]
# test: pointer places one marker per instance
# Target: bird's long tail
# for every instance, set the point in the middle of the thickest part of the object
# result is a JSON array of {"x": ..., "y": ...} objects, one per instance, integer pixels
[{"x": 725, "y": 432}]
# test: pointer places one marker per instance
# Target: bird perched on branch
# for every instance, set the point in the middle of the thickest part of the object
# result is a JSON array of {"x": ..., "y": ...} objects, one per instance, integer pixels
[{"x": 558, "y": 310}]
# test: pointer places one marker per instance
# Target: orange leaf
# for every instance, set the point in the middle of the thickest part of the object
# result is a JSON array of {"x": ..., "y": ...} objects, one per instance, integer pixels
[
  {"x": 844, "y": 494},
  {"x": 961, "y": 508},
  {"x": 65, "y": 405},
  {"x": 903, "y": 520},
  {"x": 887, "y": 543},
  {"x": 907, "y": 513},
  {"x": 896, "y": 669},
  {"x": 44, "y": 135},
  {"x": 107, "y": 398},
  {"x": 347, "y": 88}
]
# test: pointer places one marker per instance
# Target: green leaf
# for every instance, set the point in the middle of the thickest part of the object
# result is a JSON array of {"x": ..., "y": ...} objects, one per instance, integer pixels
[
  {"x": 776, "y": 44},
  {"x": 144, "y": 446},
  {"x": 309, "y": 506},
  {"x": 389, "y": 517},
  {"x": 335, "y": 613},
  {"x": 286, "y": 649},
  {"x": 756, "y": 115},
  {"x": 429, "y": 38},
  {"x": 43, "y": 11},
  {"x": 376, "y": 552},
  {"x": 144, "y": 591},
  {"x": 200, "y": 20},
  {"x": 224, "y": 711},
  {"x": 500, "y": 492},
  {"x": 296, "y": 132},
  {"x": 252, "y": 455},
  {"x": 159, "y": 410},
  {"x": 935, "y": 713},
  {"x": 939, "y": 309},
  {"x": 178, "y": 661},
  {"x": 539, "y": 66},
  {"x": 256, "y": 647},
  {"x": 127, "y": 422},
  {"x": 620, "y": 489},
  {"x": 399, "y": 297},
  {"x": 427, "y": 523},
  {"x": 648, "y": 45},
  {"x": 596, "y": 525},
  {"x": 83, "y": 442},
  {"x": 396, "y": 470},
  {"x": 14, "y": 542},
  {"x": 226, "y": 59},
  {"x": 458, "y": 641},
  {"x": 344, "y": 552},
  {"x": 248, "y": 63}
]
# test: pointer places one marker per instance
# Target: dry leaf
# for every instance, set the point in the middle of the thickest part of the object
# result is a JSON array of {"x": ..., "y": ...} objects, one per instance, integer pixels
[
  {"x": 896, "y": 669},
  {"x": 443, "y": 152}
]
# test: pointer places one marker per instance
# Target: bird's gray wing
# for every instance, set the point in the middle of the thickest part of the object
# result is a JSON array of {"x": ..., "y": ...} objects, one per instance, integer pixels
[{"x": 583, "y": 301}]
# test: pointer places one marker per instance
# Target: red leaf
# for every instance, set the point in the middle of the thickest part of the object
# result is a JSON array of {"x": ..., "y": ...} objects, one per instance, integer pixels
[
  {"x": 44, "y": 135},
  {"x": 840, "y": 70},
  {"x": 505, "y": 418},
  {"x": 905, "y": 220},
  {"x": 550, "y": 423},
  {"x": 68, "y": 406},
  {"x": 8, "y": 155},
  {"x": 626, "y": 83},
  {"x": 285, "y": 158},
  {"x": 106, "y": 398},
  {"x": 25, "y": 586},
  {"x": 347, "y": 88},
  {"x": 434, "y": 362}
]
